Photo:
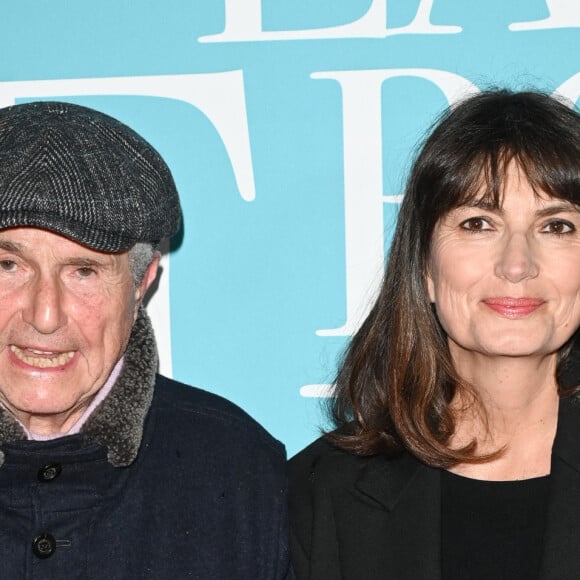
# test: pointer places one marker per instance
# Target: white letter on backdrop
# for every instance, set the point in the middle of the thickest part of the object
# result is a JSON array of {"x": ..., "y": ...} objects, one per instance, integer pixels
[
  {"x": 243, "y": 23},
  {"x": 363, "y": 185},
  {"x": 570, "y": 89},
  {"x": 220, "y": 96},
  {"x": 563, "y": 14}
]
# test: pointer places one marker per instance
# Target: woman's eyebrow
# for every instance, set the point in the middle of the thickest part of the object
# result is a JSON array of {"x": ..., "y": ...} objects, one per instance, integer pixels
[
  {"x": 558, "y": 208},
  {"x": 488, "y": 205},
  {"x": 484, "y": 203}
]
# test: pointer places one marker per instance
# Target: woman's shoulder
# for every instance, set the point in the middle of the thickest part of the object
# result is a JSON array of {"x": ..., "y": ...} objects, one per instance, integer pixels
[
  {"x": 325, "y": 465},
  {"x": 323, "y": 470},
  {"x": 320, "y": 457},
  {"x": 318, "y": 475},
  {"x": 330, "y": 485}
]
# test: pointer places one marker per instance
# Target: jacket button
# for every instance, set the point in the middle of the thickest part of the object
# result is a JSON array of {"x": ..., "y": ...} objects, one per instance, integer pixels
[
  {"x": 43, "y": 545},
  {"x": 49, "y": 472}
]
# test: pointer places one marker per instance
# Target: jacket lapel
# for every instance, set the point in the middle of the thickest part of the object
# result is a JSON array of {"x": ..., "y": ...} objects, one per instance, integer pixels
[
  {"x": 561, "y": 558},
  {"x": 406, "y": 495}
]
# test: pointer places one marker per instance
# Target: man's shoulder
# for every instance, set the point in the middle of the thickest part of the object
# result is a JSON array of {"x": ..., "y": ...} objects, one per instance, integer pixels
[{"x": 199, "y": 413}]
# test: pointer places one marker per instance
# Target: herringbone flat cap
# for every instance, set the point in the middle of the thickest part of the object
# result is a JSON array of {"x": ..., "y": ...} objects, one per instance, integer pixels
[{"x": 84, "y": 175}]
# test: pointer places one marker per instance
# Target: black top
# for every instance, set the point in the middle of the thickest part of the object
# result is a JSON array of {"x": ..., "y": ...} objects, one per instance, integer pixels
[{"x": 492, "y": 529}]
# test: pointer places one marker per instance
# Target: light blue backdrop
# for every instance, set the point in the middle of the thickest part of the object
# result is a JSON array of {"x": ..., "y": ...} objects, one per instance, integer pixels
[{"x": 289, "y": 126}]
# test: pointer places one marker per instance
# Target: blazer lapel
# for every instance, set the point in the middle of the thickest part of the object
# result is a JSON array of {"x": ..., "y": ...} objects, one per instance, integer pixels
[
  {"x": 407, "y": 496},
  {"x": 561, "y": 559}
]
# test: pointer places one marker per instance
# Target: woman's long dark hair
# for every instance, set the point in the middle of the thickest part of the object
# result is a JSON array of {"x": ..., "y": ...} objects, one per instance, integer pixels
[{"x": 396, "y": 382}]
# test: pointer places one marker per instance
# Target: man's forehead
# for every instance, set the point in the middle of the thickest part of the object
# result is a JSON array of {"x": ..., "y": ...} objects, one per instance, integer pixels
[{"x": 26, "y": 238}]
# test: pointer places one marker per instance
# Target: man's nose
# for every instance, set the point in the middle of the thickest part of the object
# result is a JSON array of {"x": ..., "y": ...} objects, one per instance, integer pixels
[
  {"x": 44, "y": 304},
  {"x": 517, "y": 260}
]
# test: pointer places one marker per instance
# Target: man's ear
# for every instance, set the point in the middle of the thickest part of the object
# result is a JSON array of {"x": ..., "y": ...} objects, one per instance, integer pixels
[{"x": 148, "y": 279}]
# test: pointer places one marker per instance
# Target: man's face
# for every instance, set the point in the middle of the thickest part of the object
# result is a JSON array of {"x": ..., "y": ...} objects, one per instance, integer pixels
[{"x": 66, "y": 313}]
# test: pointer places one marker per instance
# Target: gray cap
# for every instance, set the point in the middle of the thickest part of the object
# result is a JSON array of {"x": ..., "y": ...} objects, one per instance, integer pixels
[{"x": 80, "y": 173}]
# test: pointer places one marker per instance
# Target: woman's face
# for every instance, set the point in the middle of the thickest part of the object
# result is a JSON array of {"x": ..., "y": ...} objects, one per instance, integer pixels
[{"x": 507, "y": 282}]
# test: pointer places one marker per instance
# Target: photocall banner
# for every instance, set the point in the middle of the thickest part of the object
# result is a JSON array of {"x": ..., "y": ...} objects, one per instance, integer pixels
[{"x": 289, "y": 127}]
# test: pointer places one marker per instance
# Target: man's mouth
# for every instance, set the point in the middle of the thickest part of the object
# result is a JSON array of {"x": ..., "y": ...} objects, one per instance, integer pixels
[{"x": 41, "y": 358}]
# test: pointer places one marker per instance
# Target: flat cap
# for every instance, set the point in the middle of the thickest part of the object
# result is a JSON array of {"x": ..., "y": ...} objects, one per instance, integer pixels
[{"x": 85, "y": 175}]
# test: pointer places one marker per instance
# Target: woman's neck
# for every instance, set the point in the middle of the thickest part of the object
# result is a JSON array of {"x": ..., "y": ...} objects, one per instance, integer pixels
[{"x": 519, "y": 400}]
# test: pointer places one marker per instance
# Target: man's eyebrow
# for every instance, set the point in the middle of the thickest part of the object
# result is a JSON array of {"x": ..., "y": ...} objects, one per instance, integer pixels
[
  {"x": 9, "y": 246},
  {"x": 84, "y": 262},
  {"x": 81, "y": 261}
]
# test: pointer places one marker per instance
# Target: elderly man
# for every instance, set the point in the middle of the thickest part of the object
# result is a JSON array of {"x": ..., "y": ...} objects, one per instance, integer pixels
[{"x": 109, "y": 471}]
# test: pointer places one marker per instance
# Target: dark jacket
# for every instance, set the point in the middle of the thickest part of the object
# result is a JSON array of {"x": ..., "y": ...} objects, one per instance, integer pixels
[
  {"x": 165, "y": 482},
  {"x": 377, "y": 518}
]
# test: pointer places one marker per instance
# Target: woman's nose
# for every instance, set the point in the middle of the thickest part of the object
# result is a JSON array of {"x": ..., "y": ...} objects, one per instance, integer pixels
[
  {"x": 517, "y": 259},
  {"x": 44, "y": 305}
]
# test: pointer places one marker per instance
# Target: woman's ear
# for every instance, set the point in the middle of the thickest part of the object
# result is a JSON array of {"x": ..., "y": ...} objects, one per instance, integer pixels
[{"x": 430, "y": 285}]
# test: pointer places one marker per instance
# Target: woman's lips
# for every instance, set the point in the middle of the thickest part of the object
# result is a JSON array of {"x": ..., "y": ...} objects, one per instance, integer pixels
[{"x": 514, "y": 307}]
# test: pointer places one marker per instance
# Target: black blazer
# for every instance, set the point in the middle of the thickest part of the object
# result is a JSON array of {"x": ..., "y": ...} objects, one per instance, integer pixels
[{"x": 372, "y": 518}]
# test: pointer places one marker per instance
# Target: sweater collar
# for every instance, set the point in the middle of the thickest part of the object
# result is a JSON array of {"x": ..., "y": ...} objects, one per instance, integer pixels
[{"x": 117, "y": 422}]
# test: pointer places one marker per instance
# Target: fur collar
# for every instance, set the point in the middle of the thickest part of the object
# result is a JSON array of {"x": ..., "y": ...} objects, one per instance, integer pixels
[{"x": 117, "y": 423}]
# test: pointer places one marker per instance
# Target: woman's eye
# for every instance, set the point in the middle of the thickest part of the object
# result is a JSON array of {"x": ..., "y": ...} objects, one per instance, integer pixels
[
  {"x": 475, "y": 224},
  {"x": 7, "y": 265},
  {"x": 559, "y": 227}
]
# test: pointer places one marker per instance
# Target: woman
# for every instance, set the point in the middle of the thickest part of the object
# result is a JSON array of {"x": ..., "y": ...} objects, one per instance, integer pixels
[{"x": 456, "y": 453}]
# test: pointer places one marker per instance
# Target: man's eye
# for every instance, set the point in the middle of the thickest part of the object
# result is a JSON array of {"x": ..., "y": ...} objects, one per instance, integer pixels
[
  {"x": 7, "y": 265},
  {"x": 475, "y": 224},
  {"x": 85, "y": 272},
  {"x": 559, "y": 227}
]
